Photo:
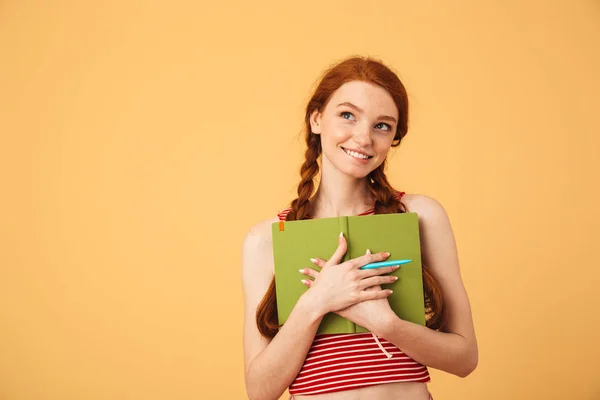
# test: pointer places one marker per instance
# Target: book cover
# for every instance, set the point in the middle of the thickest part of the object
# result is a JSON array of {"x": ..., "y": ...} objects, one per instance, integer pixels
[{"x": 295, "y": 242}]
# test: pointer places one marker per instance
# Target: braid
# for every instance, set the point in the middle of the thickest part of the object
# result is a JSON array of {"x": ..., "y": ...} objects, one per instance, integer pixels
[
  {"x": 300, "y": 208},
  {"x": 385, "y": 199},
  {"x": 386, "y": 203},
  {"x": 266, "y": 313}
]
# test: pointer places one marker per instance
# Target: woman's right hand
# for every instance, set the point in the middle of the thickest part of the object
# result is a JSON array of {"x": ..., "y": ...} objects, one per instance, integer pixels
[{"x": 340, "y": 285}]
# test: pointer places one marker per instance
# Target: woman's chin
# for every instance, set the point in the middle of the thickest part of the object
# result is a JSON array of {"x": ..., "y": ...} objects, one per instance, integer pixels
[{"x": 356, "y": 173}]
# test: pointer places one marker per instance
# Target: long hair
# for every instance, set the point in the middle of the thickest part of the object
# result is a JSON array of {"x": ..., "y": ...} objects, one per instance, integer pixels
[{"x": 369, "y": 70}]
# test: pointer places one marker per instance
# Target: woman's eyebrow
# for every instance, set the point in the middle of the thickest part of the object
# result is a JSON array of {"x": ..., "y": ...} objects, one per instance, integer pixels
[{"x": 386, "y": 117}]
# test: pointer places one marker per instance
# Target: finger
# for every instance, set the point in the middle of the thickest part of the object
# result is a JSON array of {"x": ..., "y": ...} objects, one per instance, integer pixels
[
  {"x": 365, "y": 273},
  {"x": 368, "y": 258},
  {"x": 319, "y": 262},
  {"x": 306, "y": 282},
  {"x": 374, "y": 294},
  {"x": 310, "y": 272},
  {"x": 339, "y": 252},
  {"x": 377, "y": 280},
  {"x": 376, "y": 287}
]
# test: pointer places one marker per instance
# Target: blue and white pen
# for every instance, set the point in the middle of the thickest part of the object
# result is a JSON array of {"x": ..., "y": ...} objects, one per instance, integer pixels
[{"x": 385, "y": 264}]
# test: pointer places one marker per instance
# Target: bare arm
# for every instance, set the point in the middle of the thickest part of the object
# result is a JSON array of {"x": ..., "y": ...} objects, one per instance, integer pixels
[
  {"x": 455, "y": 349},
  {"x": 271, "y": 365}
]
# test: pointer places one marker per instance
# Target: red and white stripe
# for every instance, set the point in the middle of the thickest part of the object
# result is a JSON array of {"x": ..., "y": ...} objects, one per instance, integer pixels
[{"x": 337, "y": 362}]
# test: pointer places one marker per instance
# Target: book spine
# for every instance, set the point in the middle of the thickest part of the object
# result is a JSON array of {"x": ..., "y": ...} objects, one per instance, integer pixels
[{"x": 351, "y": 326}]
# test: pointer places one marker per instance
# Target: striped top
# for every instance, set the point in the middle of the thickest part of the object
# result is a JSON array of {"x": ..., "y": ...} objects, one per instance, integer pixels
[{"x": 337, "y": 362}]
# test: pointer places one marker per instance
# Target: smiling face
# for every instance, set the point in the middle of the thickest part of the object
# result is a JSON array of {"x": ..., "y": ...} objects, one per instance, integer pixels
[{"x": 357, "y": 128}]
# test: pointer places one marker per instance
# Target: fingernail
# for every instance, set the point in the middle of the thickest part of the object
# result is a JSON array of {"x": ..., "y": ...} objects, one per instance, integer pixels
[
  {"x": 341, "y": 234},
  {"x": 304, "y": 281},
  {"x": 301, "y": 270},
  {"x": 394, "y": 278},
  {"x": 368, "y": 251},
  {"x": 390, "y": 291},
  {"x": 396, "y": 267},
  {"x": 313, "y": 260},
  {"x": 386, "y": 255}
]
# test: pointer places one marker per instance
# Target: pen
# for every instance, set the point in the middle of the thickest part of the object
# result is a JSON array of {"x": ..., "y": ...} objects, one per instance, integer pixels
[{"x": 385, "y": 264}]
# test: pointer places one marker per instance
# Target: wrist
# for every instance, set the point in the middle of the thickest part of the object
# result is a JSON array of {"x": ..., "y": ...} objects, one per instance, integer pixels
[
  {"x": 386, "y": 325},
  {"x": 310, "y": 307}
]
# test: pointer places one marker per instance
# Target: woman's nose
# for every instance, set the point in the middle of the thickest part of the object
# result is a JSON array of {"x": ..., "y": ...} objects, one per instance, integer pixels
[{"x": 362, "y": 136}]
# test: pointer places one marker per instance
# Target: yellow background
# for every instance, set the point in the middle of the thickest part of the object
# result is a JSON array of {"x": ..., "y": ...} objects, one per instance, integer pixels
[{"x": 140, "y": 141}]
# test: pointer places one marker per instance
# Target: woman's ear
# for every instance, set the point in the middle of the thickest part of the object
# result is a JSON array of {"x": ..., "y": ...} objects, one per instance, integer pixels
[{"x": 315, "y": 122}]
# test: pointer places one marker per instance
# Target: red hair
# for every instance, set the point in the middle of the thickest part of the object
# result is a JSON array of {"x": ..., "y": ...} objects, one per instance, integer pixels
[{"x": 369, "y": 70}]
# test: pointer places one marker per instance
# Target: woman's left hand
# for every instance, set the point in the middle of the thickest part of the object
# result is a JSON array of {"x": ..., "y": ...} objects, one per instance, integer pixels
[{"x": 370, "y": 314}]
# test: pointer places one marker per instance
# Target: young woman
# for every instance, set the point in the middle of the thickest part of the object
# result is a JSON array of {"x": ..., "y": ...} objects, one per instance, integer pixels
[{"x": 358, "y": 112}]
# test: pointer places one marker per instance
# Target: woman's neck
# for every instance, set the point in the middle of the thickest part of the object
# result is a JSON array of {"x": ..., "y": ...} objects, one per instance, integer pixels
[{"x": 344, "y": 199}]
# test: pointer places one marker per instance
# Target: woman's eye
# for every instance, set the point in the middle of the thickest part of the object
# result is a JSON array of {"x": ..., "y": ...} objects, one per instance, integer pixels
[
  {"x": 345, "y": 113},
  {"x": 386, "y": 125}
]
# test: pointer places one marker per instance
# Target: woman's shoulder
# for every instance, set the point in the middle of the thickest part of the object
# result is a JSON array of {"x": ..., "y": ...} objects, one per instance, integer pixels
[
  {"x": 421, "y": 204},
  {"x": 257, "y": 251},
  {"x": 260, "y": 234}
]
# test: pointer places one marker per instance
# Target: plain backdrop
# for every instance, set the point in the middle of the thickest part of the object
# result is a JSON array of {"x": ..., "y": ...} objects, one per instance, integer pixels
[{"x": 141, "y": 140}]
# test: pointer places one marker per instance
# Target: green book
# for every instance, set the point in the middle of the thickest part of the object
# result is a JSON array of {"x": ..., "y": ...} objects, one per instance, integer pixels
[{"x": 296, "y": 242}]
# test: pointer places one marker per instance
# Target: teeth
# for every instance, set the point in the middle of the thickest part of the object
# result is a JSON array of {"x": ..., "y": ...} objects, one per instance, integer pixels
[{"x": 355, "y": 154}]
